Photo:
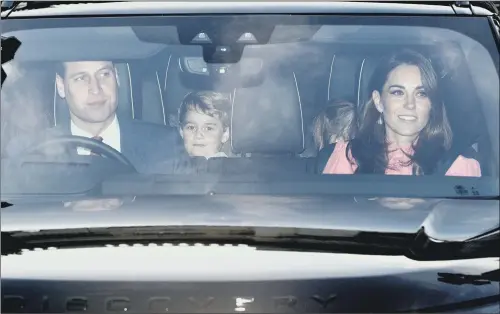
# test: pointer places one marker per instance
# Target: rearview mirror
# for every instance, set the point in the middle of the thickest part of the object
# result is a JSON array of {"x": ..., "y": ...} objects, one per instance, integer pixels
[{"x": 197, "y": 74}]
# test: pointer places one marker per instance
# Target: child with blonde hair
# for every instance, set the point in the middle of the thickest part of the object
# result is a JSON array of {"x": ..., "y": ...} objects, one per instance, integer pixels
[{"x": 336, "y": 122}]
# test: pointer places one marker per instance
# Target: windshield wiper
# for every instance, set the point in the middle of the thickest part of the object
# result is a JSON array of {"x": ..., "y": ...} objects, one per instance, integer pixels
[
  {"x": 265, "y": 238},
  {"x": 414, "y": 246},
  {"x": 6, "y": 204},
  {"x": 9, "y": 5},
  {"x": 31, "y": 5},
  {"x": 476, "y": 280}
]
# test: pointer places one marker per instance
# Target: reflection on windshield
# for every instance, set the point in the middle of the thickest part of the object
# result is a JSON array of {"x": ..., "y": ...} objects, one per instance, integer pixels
[
  {"x": 94, "y": 204},
  {"x": 399, "y": 203},
  {"x": 339, "y": 102},
  {"x": 20, "y": 122}
]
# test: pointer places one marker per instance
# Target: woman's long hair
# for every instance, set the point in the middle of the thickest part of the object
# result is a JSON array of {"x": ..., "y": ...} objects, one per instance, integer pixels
[{"x": 370, "y": 150}]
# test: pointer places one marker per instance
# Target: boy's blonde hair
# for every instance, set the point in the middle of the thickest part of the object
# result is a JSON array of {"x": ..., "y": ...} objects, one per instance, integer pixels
[
  {"x": 338, "y": 120},
  {"x": 214, "y": 104}
]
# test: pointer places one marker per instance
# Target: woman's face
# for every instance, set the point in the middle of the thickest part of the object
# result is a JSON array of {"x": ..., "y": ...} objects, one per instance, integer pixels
[{"x": 404, "y": 104}]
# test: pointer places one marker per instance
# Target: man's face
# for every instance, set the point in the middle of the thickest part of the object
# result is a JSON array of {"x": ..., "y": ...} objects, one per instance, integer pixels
[{"x": 90, "y": 90}]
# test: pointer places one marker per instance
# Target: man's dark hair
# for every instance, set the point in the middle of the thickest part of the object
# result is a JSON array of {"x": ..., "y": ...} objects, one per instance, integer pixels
[{"x": 60, "y": 68}]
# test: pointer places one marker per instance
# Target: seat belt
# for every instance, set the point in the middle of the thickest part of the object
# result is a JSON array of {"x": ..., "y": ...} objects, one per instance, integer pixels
[
  {"x": 445, "y": 164},
  {"x": 323, "y": 156}
]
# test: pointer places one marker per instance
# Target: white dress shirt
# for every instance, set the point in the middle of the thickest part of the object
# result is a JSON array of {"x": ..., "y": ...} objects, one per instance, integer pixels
[
  {"x": 218, "y": 154},
  {"x": 110, "y": 136}
]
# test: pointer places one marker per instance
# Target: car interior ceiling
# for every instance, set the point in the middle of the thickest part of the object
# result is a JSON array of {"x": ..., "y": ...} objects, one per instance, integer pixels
[{"x": 275, "y": 117}]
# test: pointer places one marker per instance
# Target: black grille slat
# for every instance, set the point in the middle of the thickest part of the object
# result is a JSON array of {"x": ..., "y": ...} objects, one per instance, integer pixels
[
  {"x": 118, "y": 305},
  {"x": 77, "y": 304},
  {"x": 13, "y": 304}
]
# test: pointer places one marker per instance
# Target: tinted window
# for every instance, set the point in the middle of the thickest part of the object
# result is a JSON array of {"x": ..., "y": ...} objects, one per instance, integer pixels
[{"x": 293, "y": 97}]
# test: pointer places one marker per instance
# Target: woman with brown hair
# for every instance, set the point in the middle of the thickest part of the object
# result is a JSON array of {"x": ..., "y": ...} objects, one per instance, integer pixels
[{"x": 403, "y": 129}]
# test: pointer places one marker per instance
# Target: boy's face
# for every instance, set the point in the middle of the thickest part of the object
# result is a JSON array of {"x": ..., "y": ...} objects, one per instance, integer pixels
[{"x": 203, "y": 135}]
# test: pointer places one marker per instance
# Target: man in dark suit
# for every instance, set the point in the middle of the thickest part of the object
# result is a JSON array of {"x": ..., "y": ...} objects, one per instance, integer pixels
[{"x": 90, "y": 90}]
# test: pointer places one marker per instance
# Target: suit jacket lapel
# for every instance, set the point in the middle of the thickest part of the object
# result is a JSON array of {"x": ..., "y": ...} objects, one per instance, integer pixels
[
  {"x": 58, "y": 130},
  {"x": 64, "y": 128},
  {"x": 126, "y": 138}
]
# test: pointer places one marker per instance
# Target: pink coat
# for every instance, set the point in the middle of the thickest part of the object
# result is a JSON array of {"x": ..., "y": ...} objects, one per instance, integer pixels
[{"x": 398, "y": 163}]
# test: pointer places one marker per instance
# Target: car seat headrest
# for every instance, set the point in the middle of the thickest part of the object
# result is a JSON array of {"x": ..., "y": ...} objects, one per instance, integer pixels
[{"x": 267, "y": 119}]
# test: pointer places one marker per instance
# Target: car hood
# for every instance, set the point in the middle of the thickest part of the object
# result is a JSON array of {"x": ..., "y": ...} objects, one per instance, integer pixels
[
  {"x": 211, "y": 278},
  {"x": 180, "y": 275}
]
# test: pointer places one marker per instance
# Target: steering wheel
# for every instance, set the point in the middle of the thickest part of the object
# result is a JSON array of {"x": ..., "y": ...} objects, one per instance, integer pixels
[{"x": 95, "y": 146}]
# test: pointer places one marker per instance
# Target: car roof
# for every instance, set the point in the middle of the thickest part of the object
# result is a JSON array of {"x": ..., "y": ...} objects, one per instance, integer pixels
[{"x": 128, "y": 7}]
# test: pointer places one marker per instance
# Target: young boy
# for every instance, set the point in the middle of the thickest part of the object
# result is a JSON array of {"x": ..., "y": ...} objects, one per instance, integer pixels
[{"x": 204, "y": 123}]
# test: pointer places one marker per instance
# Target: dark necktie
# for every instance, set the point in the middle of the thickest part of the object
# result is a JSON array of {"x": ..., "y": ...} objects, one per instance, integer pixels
[{"x": 97, "y": 138}]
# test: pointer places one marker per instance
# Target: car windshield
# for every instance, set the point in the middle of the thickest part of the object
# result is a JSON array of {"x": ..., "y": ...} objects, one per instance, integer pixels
[{"x": 404, "y": 106}]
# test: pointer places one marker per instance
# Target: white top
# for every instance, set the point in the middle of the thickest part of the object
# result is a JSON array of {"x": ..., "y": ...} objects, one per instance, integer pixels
[
  {"x": 110, "y": 136},
  {"x": 219, "y": 154}
]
